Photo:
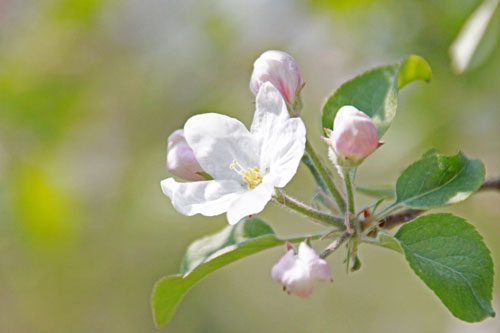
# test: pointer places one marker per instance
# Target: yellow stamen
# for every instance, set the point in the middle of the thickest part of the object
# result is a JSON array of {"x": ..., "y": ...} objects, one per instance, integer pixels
[{"x": 251, "y": 176}]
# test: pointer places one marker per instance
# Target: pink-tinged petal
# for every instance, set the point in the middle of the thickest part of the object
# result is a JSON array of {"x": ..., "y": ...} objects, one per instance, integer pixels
[
  {"x": 321, "y": 271},
  {"x": 307, "y": 254},
  {"x": 319, "y": 268},
  {"x": 354, "y": 135},
  {"x": 284, "y": 264},
  {"x": 180, "y": 157},
  {"x": 280, "y": 69}
]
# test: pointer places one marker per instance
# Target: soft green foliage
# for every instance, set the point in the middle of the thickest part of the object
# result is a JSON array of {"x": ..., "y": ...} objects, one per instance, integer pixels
[
  {"x": 438, "y": 180},
  {"x": 376, "y": 92},
  {"x": 208, "y": 254},
  {"x": 449, "y": 255}
]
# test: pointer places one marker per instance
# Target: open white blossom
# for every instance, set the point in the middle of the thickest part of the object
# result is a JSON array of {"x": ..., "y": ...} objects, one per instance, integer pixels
[{"x": 246, "y": 166}]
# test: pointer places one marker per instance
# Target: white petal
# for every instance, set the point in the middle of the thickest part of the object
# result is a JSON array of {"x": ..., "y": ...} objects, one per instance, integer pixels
[
  {"x": 270, "y": 107},
  {"x": 251, "y": 202},
  {"x": 208, "y": 198},
  {"x": 283, "y": 150},
  {"x": 217, "y": 140},
  {"x": 282, "y": 138}
]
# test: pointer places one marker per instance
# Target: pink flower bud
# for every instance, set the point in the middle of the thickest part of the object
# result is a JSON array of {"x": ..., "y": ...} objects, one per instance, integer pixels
[
  {"x": 280, "y": 69},
  {"x": 180, "y": 157},
  {"x": 354, "y": 135},
  {"x": 299, "y": 272}
]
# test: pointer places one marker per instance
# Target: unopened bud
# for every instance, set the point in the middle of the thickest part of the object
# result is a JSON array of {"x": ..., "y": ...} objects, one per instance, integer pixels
[
  {"x": 354, "y": 135},
  {"x": 281, "y": 70},
  {"x": 180, "y": 158},
  {"x": 299, "y": 272}
]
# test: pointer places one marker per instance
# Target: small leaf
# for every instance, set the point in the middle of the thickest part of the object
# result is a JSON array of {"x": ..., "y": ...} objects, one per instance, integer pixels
[
  {"x": 377, "y": 191},
  {"x": 209, "y": 254},
  {"x": 413, "y": 68},
  {"x": 388, "y": 241},
  {"x": 438, "y": 180},
  {"x": 451, "y": 258},
  {"x": 376, "y": 92},
  {"x": 384, "y": 239}
]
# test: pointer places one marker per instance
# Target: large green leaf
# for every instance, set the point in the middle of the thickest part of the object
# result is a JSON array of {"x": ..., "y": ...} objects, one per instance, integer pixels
[
  {"x": 376, "y": 92},
  {"x": 438, "y": 180},
  {"x": 451, "y": 258},
  {"x": 209, "y": 254}
]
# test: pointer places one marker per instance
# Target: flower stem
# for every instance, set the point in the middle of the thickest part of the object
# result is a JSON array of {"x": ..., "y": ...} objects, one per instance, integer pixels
[
  {"x": 315, "y": 173},
  {"x": 323, "y": 172},
  {"x": 304, "y": 209},
  {"x": 334, "y": 245},
  {"x": 348, "y": 179}
]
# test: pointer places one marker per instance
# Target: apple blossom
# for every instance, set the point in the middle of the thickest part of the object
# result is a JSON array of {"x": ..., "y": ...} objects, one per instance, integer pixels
[
  {"x": 298, "y": 272},
  {"x": 354, "y": 135},
  {"x": 246, "y": 166},
  {"x": 281, "y": 70},
  {"x": 180, "y": 157}
]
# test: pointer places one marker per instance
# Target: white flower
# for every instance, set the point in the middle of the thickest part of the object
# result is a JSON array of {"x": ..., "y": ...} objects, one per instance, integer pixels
[
  {"x": 298, "y": 272},
  {"x": 246, "y": 166}
]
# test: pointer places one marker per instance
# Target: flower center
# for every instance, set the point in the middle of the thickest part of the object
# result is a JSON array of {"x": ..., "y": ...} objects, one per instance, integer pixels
[{"x": 251, "y": 176}]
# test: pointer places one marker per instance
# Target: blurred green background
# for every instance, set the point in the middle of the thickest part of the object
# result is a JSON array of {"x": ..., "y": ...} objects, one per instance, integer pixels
[{"x": 90, "y": 91}]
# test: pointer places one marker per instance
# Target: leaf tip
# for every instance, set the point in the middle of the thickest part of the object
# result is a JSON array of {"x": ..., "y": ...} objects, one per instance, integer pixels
[{"x": 413, "y": 68}]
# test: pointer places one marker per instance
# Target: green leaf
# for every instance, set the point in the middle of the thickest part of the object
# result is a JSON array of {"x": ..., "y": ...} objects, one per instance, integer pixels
[
  {"x": 384, "y": 239},
  {"x": 377, "y": 191},
  {"x": 376, "y": 92},
  {"x": 208, "y": 254},
  {"x": 430, "y": 152},
  {"x": 438, "y": 180},
  {"x": 413, "y": 68},
  {"x": 451, "y": 258},
  {"x": 388, "y": 241}
]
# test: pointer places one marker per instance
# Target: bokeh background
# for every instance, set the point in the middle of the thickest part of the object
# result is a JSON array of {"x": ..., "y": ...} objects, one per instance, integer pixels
[{"x": 90, "y": 91}]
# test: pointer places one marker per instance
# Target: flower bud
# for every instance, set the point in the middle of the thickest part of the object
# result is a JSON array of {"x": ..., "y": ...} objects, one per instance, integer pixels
[
  {"x": 281, "y": 70},
  {"x": 354, "y": 135},
  {"x": 180, "y": 157},
  {"x": 298, "y": 272}
]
